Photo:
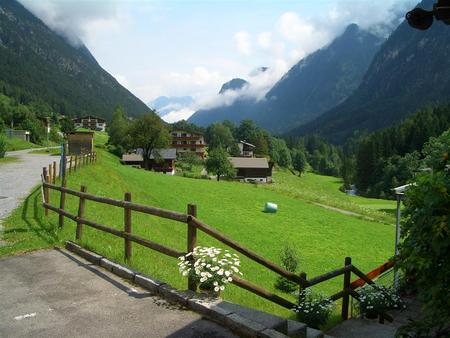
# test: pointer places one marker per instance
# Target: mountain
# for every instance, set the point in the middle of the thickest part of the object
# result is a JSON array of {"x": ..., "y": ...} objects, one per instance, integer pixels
[
  {"x": 37, "y": 64},
  {"x": 234, "y": 84},
  {"x": 163, "y": 105},
  {"x": 317, "y": 83},
  {"x": 411, "y": 70}
]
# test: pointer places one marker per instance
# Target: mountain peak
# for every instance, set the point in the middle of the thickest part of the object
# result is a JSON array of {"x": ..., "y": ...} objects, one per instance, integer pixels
[{"x": 234, "y": 84}]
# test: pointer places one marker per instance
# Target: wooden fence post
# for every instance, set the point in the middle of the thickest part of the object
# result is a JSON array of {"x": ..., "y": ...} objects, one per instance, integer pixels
[
  {"x": 81, "y": 213},
  {"x": 301, "y": 297},
  {"x": 76, "y": 163},
  {"x": 127, "y": 228},
  {"x": 54, "y": 172},
  {"x": 346, "y": 297},
  {"x": 45, "y": 175},
  {"x": 62, "y": 201},
  {"x": 191, "y": 241},
  {"x": 49, "y": 173}
]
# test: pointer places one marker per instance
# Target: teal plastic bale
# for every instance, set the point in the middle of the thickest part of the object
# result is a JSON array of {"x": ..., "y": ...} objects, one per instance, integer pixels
[{"x": 271, "y": 207}]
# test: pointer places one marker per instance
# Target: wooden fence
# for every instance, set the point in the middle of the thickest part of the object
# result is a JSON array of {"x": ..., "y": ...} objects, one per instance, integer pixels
[
  {"x": 51, "y": 173},
  {"x": 194, "y": 225}
]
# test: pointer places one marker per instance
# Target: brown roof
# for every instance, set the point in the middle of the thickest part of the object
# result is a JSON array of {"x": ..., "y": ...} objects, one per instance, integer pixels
[{"x": 248, "y": 162}]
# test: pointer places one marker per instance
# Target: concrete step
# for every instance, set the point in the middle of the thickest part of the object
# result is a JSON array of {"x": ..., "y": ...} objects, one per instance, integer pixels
[
  {"x": 359, "y": 327},
  {"x": 296, "y": 329},
  {"x": 313, "y": 333}
]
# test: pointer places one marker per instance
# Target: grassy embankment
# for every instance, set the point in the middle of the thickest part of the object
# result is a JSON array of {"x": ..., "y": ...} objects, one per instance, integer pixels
[
  {"x": 13, "y": 144},
  {"x": 323, "y": 237}
]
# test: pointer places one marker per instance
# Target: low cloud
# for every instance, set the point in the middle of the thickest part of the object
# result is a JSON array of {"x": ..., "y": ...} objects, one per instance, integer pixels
[{"x": 79, "y": 22}]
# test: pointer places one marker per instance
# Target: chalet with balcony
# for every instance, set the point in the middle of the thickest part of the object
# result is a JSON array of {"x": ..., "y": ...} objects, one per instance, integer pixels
[
  {"x": 90, "y": 122},
  {"x": 254, "y": 170},
  {"x": 246, "y": 149},
  {"x": 185, "y": 142},
  {"x": 161, "y": 160}
]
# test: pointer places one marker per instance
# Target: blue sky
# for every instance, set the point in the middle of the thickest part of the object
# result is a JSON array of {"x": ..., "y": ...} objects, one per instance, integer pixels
[{"x": 176, "y": 48}]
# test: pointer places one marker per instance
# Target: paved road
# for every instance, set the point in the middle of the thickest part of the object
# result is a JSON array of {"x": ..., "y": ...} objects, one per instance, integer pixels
[
  {"x": 18, "y": 178},
  {"x": 53, "y": 293}
]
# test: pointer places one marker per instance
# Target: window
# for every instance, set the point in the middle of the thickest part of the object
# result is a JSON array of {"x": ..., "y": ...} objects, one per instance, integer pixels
[
  {"x": 192, "y": 149},
  {"x": 174, "y": 134}
]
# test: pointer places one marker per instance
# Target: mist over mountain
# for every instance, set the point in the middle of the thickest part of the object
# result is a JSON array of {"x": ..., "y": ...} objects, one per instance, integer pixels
[
  {"x": 411, "y": 70},
  {"x": 37, "y": 64},
  {"x": 315, "y": 84},
  {"x": 163, "y": 105}
]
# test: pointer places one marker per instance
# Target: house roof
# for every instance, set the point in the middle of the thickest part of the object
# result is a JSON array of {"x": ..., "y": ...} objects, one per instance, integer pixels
[
  {"x": 166, "y": 154},
  {"x": 248, "y": 144},
  {"x": 90, "y": 117},
  {"x": 248, "y": 162},
  {"x": 132, "y": 158}
]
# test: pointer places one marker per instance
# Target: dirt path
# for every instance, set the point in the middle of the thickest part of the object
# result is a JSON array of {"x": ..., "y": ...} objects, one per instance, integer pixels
[
  {"x": 56, "y": 294},
  {"x": 19, "y": 177}
]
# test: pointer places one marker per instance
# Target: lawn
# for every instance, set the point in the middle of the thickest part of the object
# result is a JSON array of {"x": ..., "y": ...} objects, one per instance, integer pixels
[
  {"x": 19, "y": 144},
  {"x": 47, "y": 151},
  {"x": 322, "y": 237}
]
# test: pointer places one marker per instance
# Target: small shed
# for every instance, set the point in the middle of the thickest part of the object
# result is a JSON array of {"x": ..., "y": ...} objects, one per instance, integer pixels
[
  {"x": 161, "y": 160},
  {"x": 252, "y": 169},
  {"x": 80, "y": 142},
  {"x": 246, "y": 149}
]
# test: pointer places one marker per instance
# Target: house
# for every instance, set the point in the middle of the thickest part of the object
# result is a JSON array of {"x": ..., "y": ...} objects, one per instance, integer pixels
[
  {"x": 185, "y": 142},
  {"x": 246, "y": 149},
  {"x": 161, "y": 160},
  {"x": 90, "y": 122},
  {"x": 80, "y": 142},
  {"x": 251, "y": 169},
  {"x": 15, "y": 133}
]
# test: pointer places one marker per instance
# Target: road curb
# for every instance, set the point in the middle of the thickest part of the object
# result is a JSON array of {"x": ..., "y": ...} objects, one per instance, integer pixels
[{"x": 206, "y": 307}]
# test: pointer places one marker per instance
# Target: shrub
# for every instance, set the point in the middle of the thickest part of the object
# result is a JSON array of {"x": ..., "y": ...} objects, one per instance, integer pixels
[
  {"x": 290, "y": 261},
  {"x": 313, "y": 309},
  {"x": 211, "y": 267},
  {"x": 376, "y": 300},
  {"x": 2, "y": 146}
]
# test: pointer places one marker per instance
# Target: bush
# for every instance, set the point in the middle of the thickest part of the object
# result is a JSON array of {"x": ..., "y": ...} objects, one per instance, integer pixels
[
  {"x": 313, "y": 309},
  {"x": 2, "y": 146},
  {"x": 290, "y": 261},
  {"x": 376, "y": 300}
]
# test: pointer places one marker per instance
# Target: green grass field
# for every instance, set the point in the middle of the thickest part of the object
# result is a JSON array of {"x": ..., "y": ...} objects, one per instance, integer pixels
[
  {"x": 13, "y": 144},
  {"x": 47, "y": 151},
  {"x": 322, "y": 237}
]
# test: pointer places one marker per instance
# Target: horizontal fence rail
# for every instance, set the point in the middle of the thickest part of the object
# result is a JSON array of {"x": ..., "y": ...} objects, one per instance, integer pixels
[{"x": 193, "y": 224}]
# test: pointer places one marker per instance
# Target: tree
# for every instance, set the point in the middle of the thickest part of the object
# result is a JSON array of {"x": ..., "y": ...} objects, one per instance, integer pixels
[
  {"x": 118, "y": 129},
  {"x": 279, "y": 152},
  {"x": 148, "y": 133},
  {"x": 2, "y": 146},
  {"x": 426, "y": 238},
  {"x": 66, "y": 125},
  {"x": 218, "y": 163},
  {"x": 245, "y": 130},
  {"x": 299, "y": 161},
  {"x": 218, "y": 135}
]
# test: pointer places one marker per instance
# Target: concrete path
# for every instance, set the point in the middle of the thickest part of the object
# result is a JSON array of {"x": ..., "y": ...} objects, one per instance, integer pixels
[
  {"x": 19, "y": 177},
  {"x": 56, "y": 294}
]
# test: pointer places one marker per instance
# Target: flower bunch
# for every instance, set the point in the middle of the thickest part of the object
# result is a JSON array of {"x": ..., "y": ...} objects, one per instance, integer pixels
[
  {"x": 313, "y": 309},
  {"x": 375, "y": 300},
  {"x": 211, "y": 267}
]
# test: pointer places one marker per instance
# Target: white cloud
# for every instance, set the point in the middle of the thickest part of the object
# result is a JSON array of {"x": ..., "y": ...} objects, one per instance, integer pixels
[
  {"x": 177, "y": 115},
  {"x": 243, "y": 43},
  {"x": 77, "y": 20}
]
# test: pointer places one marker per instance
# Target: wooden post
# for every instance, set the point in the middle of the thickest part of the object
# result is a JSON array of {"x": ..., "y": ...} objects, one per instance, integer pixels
[
  {"x": 191, "y": 241},
  {"x": 70, "y": 166},
  {"x": 301, "y": 297},
  {"x": 346, "y": 297},
  {"x": 45, "y": 175},
  {"x": 127, "y": 228},
  {"x": 76, "y": 163},
  {"x": 81, "y": 214},
  {"x": 49, "y": 173},
  {"x": 54, "y": 172},
  {"x": 62, "y": 201}
]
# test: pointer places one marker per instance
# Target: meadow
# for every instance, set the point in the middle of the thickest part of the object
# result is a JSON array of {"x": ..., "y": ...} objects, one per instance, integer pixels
[{"x": 322, "y": 237}]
